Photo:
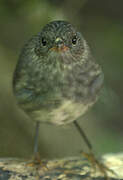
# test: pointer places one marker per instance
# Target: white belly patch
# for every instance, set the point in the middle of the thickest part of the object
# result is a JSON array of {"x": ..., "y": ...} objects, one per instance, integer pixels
[{"x": 67, "y": 112}]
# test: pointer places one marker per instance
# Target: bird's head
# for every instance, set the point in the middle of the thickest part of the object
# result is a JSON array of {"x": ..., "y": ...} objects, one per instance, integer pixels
[{"x": 60, "y": 39}]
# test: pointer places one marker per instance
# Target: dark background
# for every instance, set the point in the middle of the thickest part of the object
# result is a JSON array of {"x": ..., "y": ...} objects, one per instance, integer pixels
[{"x": 101, "y": 23}]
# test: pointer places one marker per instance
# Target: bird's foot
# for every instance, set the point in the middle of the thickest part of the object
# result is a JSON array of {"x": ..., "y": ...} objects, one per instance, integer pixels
[
  {"x": 97, "y": 164},
  {"x": 37, "y": 162}
]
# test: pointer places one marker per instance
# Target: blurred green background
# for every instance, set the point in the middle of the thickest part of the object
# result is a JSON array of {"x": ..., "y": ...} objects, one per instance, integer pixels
[{"x": 101, "y": 24}]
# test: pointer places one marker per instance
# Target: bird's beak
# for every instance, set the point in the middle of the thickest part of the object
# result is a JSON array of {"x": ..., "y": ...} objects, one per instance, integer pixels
[{"x": 59, "y": 45}]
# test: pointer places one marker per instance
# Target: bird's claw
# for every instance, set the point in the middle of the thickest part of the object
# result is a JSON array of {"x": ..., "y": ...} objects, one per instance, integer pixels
[
  {"x": 97, "y": 164},
  {"x": 37, "y": 162}
]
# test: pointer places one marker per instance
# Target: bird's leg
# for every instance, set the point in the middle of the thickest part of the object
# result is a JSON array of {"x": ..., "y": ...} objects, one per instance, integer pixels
[
  {"x": 37, "y": 162},
  {"x": 83, "y": 135},
  {"x": 36, "y": 157},
  {"x": 36, "y": 153},
  {"x": 90, "y": 156}
]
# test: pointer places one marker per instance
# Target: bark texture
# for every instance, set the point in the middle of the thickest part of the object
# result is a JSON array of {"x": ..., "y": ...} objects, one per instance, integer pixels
[{"x": 72, "y": 168}]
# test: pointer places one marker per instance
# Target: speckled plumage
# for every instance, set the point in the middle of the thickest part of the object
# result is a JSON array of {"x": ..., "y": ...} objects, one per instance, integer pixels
[{"x": 57, "y": 86}]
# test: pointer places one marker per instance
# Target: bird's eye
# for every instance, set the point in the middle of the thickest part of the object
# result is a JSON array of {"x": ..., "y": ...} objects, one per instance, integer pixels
[
  {"x": 74, "y": 40},
  {"x": 44, "y": 42}
]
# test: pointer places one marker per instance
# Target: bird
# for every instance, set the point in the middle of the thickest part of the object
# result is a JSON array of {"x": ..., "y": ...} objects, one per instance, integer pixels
[{"x": 57, "y": 79}]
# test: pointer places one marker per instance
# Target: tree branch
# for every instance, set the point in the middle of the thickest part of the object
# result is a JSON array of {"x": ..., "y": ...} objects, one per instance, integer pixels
[{"x": 73, "y": 168}]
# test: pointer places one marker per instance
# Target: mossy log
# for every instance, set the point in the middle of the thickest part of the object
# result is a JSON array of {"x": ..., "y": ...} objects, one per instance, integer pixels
[{"x": 72, "y": 168}]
